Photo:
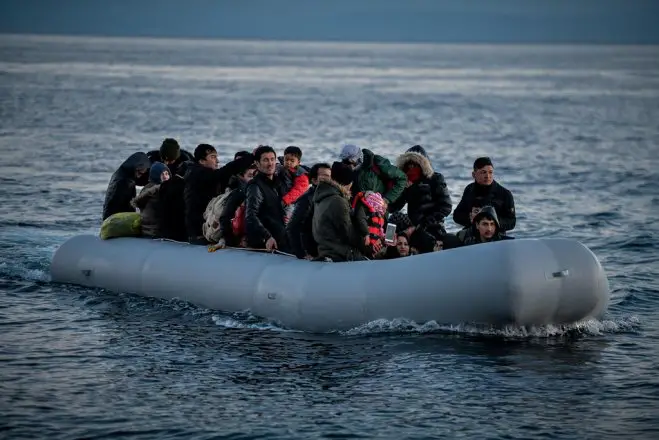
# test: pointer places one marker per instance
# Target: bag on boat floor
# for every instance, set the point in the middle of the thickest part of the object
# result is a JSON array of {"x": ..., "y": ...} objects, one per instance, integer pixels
[
  {"x": 211, "y": 226},
  {"x": 122, "y": 224}
]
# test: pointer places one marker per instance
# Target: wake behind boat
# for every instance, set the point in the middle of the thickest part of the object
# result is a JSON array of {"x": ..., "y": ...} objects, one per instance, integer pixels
[{"x": 520, "y": 282}]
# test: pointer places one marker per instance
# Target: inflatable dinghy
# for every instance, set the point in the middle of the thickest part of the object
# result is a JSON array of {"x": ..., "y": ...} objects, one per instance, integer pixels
[{"x": 519, "y": 282}]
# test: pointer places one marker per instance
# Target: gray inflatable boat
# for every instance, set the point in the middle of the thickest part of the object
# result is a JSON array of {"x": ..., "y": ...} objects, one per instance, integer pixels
[{"x": 519, "y": 282}]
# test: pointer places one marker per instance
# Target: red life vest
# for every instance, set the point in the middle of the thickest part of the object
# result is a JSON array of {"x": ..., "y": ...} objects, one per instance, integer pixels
[
  {"x": 238, "y": 221},
  {"x": 375, "y": 219}
]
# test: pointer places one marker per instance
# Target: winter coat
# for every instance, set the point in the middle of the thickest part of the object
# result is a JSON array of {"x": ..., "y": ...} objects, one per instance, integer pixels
[
  {"x": 377, "y": 174},
  {"x": 121, "y": 189},
  {"x": 333, "y": 227}
]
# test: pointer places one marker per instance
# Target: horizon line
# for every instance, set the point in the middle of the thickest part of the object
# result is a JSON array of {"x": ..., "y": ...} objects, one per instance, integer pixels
[{"x": 101, "y": 36}]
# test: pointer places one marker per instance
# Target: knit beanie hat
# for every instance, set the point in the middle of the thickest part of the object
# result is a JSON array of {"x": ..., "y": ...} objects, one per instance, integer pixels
[
  {"x": 352, "y": 153},
  {"x": 342, "y": 173},
  {"x": 170, "y": 150},
  {"x": 156, "y": 171}
]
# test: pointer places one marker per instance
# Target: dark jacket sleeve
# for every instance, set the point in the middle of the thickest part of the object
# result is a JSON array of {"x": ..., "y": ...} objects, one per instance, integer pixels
[
  {"x": 296, "y": 226},
  {"x": 441, "y": 198},
  {"x": 360, "y": 220},
  {"x": 507, "y": 218},
  {"x": 233, "y": 202},
  {"x": 118, "y": 196},
  {"x": 461, "y": 213},
  {"x": 256, "y": 233}
]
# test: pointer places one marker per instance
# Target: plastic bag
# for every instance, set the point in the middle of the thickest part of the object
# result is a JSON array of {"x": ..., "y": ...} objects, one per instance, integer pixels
[{"x": 122, "y": 224}]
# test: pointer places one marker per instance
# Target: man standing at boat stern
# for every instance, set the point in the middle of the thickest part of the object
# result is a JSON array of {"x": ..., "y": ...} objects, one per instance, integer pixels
[
  {"x": 203, "y": 181},
  {"x": 264, "y": 212},
  {"x": 490, "y": 192}
]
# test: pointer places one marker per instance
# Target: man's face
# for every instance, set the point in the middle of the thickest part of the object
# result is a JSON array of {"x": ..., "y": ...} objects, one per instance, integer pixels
[
  {"x": 291, "y": 161},
  {"x": 484, "y": 176},
  {"x": 324, "y": 175},
  {"x": 267, "y": 164},
  {"x": 210, "y": 161},
  {"x": 486, "y": 228}
]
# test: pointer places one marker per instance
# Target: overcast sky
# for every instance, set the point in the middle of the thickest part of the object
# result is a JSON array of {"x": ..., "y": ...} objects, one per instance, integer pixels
[{"x": 487, "y": 21}]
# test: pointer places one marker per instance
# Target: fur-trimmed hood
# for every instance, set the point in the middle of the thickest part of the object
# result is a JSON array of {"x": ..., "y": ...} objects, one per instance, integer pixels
[
  {"x": 328, "y": 188},
  {"x": 414, "y": 158},
  {"x": 150, "y": 190}
]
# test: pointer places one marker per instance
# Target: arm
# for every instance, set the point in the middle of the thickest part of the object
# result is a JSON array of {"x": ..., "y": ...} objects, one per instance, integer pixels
[
  {"x": 256, "y": 233},
  {"x": 360, "y": 220},
  {"x": 234, "y": 199},
  {"x": 397, "y": 178},
  {"x": 461, "y": 213},
  {"x": 399, "y": 203},
  {"x": 440, "y": 197},
  {"x": 300, "y": 186},
  {"x": 507, "y": 218},
  {"x": 118, "y": 197},
  {"x": 295, "y": 228}
]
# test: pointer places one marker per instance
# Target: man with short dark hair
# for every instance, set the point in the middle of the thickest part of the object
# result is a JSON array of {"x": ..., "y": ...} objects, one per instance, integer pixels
[
  {"x": 172, "y": 155},
  {"x": 490, "y": 192},
  {"x": 203, "y": 181},
  {"x": 264, "y": 213},
  {"x": 300, "y": 227}
]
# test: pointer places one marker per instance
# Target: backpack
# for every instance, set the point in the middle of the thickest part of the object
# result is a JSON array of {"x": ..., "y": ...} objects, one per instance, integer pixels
[{"x": 211, "y": 226}]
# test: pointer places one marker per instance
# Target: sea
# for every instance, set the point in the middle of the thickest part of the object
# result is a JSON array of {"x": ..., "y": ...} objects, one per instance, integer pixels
[{"x": 573, "y": 132}]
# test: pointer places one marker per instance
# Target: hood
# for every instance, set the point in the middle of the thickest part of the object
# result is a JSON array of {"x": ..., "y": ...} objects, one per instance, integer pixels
[
  {"x": 418, "y": 149},
  {"x": 414, "y": 158},
  {"x": 329, "y": 189},
  {"x": 368, "y": 158},
  {"x": 488, "y": 211},
  {"x": 135, "y": 161},
  {"x": 150, "y": 190}
]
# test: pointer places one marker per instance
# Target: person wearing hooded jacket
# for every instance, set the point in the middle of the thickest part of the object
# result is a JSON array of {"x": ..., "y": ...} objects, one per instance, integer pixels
[
  {"x": 172, "y": 155},
  {"x": 148, "y": 200},
  {"x": 373, "y": 172},
  {"x": 300, "y": 228},
  {"x": 203, "y": 181},
  {"x": 134, "y": 171},
  {"x": 485, "y": 228},
  {"x": 427, "y": 196},
  {"x": 333, "y": 229}
]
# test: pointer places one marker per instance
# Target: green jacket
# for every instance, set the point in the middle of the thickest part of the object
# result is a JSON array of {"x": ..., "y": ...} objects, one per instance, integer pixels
[
  {"x": 377, "y": 174},
  {"x": 333, "y": 228}
]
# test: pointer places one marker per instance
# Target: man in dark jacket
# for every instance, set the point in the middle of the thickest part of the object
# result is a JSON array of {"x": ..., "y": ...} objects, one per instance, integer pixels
[
  {"x": 121, "y": 189},
  {"x": 264, "y": 212},
  {"x": 488, "y": 190},
  {"x": 427, "y": 197},
  {"x": 486, "y": 228},
  {"x": 333, "y": 229},
  {"x": 300, "y": 227},
  {"x": 373, "y": 173},
  {"x": 203, "y": 181},
  {"x": 171, "y": 154}
]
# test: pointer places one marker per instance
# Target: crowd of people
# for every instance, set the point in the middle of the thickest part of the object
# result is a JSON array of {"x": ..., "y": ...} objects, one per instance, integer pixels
[{"x": 326, "y": 212}]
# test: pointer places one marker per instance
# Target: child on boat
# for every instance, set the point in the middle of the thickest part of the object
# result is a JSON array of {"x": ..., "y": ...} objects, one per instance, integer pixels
[{"x": 295, "y": 179}]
